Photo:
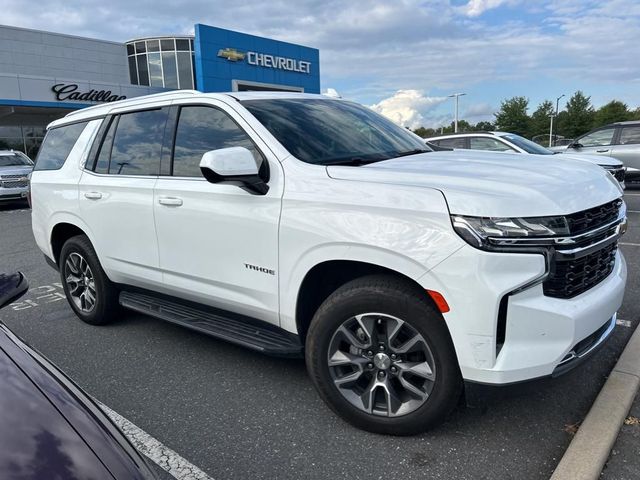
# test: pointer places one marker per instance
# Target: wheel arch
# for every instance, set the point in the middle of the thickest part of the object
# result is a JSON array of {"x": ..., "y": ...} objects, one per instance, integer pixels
[
  {"x": 63, "y": 228},
  {"x": 326, "y": 277}
]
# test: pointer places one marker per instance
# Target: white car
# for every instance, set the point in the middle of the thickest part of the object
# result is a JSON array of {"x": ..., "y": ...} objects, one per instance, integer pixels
[
  {"x": 512, "y": 143},
  {"x": 298, "y": 224}
]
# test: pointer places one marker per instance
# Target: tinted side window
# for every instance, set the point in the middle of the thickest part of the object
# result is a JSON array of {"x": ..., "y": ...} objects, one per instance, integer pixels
[
  {"x": 201, "y": 129},
  {"x": 453, "y": 143},
  {"x": 482, "y": 143},
  {"x": 56, "y": 146},
  {"x": 104, "y": 153},
  {"x": 137, "y": 143},
  {"x": 630, "y": 135},
  {"x": 601, "y": 137}
]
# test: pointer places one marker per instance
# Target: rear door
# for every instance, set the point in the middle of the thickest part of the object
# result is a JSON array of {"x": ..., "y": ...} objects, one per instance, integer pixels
[
  {"x": 218, "y": 244},
  {"x": 116, "y": 195},
  {"x": 627, "y": 148}
]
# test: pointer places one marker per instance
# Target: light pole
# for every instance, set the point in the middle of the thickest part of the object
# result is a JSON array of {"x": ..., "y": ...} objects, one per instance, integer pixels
[
  {"x": 456, "y": 96},
  {"x": 552, "y": 116}
]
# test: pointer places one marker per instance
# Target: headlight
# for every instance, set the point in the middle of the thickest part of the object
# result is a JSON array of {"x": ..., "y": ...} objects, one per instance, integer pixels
[{"x": 477, "y": 231}]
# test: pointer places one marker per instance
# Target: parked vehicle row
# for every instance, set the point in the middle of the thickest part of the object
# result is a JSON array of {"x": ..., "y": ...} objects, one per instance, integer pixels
[
  {"x": 512, "y": 143},
  {"x": 298, "y": 224},
  {"x": 619, "y": 140}
]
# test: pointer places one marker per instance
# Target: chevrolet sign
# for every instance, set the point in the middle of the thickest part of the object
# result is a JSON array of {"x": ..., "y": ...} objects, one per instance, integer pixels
[{"x": 266, "y": 60}]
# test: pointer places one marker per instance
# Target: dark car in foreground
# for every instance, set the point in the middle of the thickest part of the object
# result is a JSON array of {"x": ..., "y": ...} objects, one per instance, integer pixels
[
  {"x": 15, "y": 168},
  {"x": 49, "y": 428}
]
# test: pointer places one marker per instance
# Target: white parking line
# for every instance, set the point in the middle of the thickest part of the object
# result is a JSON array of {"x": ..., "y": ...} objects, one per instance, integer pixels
[
  {"x": 157, "y": 452},
  {"x": 630, "y": 244},
  {"x": 633, "y": 211},
  {"x": 623, "y": 323}
]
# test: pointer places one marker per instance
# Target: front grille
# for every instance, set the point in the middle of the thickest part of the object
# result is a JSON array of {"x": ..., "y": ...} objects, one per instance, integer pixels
[
  {"x": 618, "y": 173},
  {"x": 11, "y": 177},
  {"x": 569, "y": 278},
  {"x": 15, "y": 184},
  {"x": 593, "y": 218}
]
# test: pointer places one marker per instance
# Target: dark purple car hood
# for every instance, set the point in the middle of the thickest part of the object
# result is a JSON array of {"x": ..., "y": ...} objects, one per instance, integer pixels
[{"x": 50, "y": 429}]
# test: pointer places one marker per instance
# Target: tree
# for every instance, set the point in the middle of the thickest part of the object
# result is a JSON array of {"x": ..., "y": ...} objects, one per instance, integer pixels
[
  {"x": 540, "y": 121},
  {"x": 512, "y": 116},
  {"x": 614, "y": 111},
  {"x": 484, "y": 126},
  {"x": 579, "y": 118}
]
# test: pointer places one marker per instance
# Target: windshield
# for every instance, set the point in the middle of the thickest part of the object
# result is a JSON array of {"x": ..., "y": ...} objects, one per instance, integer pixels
[
  {"x": 527, "y": 145},
  {"x": 329, "y": 132},
  {"x": 14, "y": 159}
]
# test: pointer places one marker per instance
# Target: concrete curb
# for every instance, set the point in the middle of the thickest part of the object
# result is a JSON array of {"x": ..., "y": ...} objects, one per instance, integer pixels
[{"x": 590, "y": 448}]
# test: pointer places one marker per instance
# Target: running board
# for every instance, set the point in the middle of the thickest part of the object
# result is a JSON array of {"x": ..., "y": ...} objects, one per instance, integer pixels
[{"x": 244, "y": 331}]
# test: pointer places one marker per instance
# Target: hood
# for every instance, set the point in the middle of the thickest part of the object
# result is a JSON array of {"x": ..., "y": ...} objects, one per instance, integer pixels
[
  {"x": 601, "y": 160},
  {"x": 36, "y": 441},
  {"x": 495, "y": 185}
]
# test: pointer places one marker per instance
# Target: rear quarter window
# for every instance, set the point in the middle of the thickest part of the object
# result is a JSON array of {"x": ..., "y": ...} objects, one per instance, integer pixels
[{"x": 56, "y": 146}]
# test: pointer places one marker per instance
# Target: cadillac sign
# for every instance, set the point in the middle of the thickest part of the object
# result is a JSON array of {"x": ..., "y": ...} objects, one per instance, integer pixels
[
  {"x": 266, "y": 60},
  {"x": 69, "y": 91}
]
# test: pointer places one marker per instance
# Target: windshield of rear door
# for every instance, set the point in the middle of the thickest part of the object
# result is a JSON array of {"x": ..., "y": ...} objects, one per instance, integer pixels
[
  {"x": 327, "y": 132},
  {"x": 14, "y": 160},
  {"x": 527, "y": 145}
]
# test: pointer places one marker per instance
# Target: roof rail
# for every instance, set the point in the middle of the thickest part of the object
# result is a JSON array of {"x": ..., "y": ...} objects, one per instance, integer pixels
[{"x": 130, "y": 100}]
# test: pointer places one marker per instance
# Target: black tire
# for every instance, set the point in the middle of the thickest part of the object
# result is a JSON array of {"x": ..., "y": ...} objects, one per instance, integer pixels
[
  {"x": 395, "y": 297},
  {"x": 106, "y": 307}
]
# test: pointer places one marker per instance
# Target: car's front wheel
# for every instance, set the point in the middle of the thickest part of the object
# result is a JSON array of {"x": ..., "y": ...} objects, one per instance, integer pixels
[
  {"x": 380, "y": 355},
  {"x": 89, "y": 291}
]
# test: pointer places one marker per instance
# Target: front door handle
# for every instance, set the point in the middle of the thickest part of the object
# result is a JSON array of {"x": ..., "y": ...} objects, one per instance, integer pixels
[
  {"x": 170, "y": 201},
  {"x": 93, "y": 195},
  {"x": 602, "y": 151}
]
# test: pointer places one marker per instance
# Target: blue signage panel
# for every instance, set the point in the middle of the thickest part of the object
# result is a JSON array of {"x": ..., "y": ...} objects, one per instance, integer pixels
[{"x": 223, "y": 57}]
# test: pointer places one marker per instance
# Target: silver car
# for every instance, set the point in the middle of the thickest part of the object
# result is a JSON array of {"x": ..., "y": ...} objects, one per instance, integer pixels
[
  {"x": 618, "y": 140},
  {"x": 15, "y": 168},
  {"x": 512, "y": 143}
]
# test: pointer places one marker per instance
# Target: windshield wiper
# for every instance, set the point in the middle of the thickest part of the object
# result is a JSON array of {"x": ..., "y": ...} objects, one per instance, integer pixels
[
  {"x": 413, "y": 152},
  {"x": 354, "y": 161}
]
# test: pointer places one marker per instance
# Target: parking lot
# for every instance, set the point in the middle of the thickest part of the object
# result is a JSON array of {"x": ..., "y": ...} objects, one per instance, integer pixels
[{"x": 236, "y": 414}]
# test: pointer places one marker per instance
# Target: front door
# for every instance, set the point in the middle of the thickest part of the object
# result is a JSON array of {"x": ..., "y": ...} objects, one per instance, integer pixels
[{"x": 218, "y": 244}]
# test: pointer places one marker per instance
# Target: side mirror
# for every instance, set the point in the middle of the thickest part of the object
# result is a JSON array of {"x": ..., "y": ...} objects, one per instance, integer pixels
[
  {"x": 233, "y": 165},
  {"x": 12, "y": 287},
  {"x": 574, "y": 145}
]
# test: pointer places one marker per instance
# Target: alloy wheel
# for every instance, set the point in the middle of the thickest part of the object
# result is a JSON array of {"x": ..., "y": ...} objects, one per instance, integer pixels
[
  {"x": 381, "y": 364},
  {"x": 80, "y": 282}
]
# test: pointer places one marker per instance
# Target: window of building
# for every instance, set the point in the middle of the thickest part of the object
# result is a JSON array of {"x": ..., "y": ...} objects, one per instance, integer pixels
[
  {"x": 57, "y": 145},
  {"x": 166, "y": 62},
  {"x": 137, "y": 143},
  {"x": 201, "y": 129}
]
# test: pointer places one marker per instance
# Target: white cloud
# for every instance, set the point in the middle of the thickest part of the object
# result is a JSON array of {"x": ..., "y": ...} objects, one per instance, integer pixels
[
  {"x": 407, "y": 108},
  {"x": 477, "y": 7}
]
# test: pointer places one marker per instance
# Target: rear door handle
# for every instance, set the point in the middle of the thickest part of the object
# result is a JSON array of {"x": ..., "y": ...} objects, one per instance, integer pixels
[
  {"x": 93, "y": 195},
  {"x": 602, "y": 151},
  {"x": 170, "y": 201}
]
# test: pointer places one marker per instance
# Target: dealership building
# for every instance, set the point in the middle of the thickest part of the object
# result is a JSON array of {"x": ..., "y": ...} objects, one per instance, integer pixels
[{"x": 44, "y": 75}]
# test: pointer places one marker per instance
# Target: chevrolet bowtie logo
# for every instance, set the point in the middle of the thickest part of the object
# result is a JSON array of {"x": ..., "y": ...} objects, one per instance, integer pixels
[{"x": 231, "y": 54}]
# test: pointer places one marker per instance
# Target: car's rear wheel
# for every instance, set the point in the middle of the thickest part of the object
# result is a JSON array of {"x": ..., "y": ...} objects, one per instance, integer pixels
[
  {"x": 89, "y": 291},
  {"x": 380, "y": 355}
]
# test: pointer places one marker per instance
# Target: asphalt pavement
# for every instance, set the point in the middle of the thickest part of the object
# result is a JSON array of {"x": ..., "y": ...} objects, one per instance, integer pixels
[{"x": 237, "y": 414}]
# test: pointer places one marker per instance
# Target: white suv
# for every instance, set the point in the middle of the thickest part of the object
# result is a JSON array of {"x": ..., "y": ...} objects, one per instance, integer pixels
[{"x": 298, "y": 224}]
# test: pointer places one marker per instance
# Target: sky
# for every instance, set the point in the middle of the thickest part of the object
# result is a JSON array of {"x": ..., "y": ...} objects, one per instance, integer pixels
[{"x": 403, "y": 57}]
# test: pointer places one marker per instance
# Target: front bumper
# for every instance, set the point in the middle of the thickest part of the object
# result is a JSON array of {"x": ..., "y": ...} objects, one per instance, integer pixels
[
  {"x": 540, "y": 332},
  {"x": 11, "y": 194}
]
